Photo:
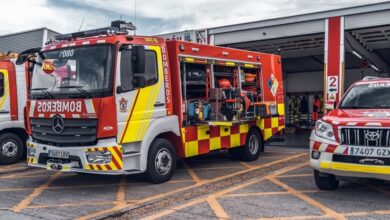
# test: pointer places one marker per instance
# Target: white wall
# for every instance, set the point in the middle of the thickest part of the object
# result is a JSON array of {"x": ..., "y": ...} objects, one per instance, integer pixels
[{"x": 314, "y": 81}]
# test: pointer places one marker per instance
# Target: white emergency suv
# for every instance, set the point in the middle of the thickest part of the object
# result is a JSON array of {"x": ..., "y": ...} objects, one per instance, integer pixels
[{"x": 354, "y": 139}]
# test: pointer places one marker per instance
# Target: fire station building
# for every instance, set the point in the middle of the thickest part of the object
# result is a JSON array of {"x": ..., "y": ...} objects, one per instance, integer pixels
[
  {"x": 21, "y": 41},
  {"x": 323, "y": 53}
]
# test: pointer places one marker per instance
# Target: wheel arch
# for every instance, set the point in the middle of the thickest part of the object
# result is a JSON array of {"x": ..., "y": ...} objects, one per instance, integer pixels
[
  {"x": 20, "y": 132},
  {"x": 166, "y": 127}
]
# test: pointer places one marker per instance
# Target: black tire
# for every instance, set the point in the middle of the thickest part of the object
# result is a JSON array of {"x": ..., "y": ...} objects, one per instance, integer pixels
[
  {"x": 235, "y": 153},
  {"x": 161, "y": 161},
  {"x": 11, "y": 148},
  {"x": 325, "y": 181},
  {"x": 253, "y": 146}
]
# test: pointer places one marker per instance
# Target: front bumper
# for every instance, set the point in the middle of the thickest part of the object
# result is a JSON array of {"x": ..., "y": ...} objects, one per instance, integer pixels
[
  {"x": 326, "y": 164},
  {"x": 38, "y": 156}
]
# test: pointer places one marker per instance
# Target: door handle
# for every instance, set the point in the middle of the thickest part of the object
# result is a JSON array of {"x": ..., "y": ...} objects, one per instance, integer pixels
[{"x": 158, "y": 104}]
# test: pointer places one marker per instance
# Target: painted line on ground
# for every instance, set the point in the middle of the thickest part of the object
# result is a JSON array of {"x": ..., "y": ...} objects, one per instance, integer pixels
[{"x": 26, "y": 202}]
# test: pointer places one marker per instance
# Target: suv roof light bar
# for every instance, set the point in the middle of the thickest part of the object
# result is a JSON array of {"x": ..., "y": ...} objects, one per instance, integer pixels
[
  {"x": 117, "y": 27},
  {"x": 367, "y": 78}
]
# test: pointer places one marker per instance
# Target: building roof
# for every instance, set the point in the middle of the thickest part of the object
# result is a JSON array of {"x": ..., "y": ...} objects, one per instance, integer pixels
[
  {"x": 383, "y": 6},
  {"x": 31, "y": 30}
]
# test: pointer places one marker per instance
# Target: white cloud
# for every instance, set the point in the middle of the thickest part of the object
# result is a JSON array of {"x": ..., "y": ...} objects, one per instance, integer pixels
[{"x": 170, "y": 15}]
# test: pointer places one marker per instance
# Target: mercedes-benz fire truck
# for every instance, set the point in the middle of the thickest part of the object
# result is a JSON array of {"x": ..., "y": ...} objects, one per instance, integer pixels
[
  {"x": 13, "y": 96},
  {"x": 106, "y": 102},
  {"x": 354, "y": 139}
]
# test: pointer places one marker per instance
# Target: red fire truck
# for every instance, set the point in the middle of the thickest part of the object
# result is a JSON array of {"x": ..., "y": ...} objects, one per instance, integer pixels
[
  {"x": 106, "y": 102},
  {"x": 12, "y": 101}
]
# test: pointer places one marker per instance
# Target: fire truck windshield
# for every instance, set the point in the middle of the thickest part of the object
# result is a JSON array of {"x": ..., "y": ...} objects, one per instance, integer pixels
[
  {"x": 367, "y": 96},
  {"x": 74, "y": 72}
]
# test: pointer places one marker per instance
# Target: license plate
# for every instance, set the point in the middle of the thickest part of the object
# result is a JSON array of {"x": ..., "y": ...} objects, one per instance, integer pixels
[
  {"x": 369, "y": 151},
  {"x": 59, "y": 154}
]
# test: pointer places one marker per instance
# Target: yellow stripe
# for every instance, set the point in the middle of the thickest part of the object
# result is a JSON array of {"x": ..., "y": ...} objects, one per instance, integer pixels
[
  {"x": 355, "y": 167},
  {"x": 247, "y": 65},
  {"x": 230, "y": 64},
  {"x": 281, "y": 109},
  {"x": 144, "y": 108},
  {"x": 118, "y": 159},
  {"x": 6, "y": 86},
  {"x": 189, "y": 60},
  {"x": 128, "y": 117}
]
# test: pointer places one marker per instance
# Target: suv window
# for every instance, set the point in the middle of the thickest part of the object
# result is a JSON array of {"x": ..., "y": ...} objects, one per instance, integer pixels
[
  {"x": 127, "y": 75},
  {"x": 369, "y": 96}
]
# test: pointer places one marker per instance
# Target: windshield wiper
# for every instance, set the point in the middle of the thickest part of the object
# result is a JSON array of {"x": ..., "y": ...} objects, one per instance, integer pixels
[
  {"x": 80, "y": 88},
  {"x": 44, "y": 91}
]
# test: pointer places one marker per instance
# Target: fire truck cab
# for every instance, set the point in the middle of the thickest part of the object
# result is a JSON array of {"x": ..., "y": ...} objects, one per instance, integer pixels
[
  {"x": 13, "y": 97},
  {"x": 354, "y": 139},
  {"x": 106, "y": 102}
]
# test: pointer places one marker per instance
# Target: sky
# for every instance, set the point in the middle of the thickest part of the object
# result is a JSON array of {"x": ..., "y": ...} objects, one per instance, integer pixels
[{"x": 153, "y": 16}]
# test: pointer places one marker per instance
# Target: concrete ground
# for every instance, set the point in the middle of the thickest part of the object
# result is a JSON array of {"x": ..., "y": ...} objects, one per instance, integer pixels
[{"x": 279, "y": 185}]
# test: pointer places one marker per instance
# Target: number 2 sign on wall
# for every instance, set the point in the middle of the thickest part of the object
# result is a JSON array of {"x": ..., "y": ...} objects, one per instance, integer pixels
[{"x": 332, "y": 87}]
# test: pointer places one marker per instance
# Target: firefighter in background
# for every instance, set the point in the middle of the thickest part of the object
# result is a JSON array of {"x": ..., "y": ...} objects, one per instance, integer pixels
[
  {"x": 316, "y": 108},
  {"x": 295, "y": 107}
]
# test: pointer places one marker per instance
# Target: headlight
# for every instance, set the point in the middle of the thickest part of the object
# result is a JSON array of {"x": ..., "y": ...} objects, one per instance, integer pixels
[
  {"x": 99, "y": 157},
  {"x": 324, "y": 130}
]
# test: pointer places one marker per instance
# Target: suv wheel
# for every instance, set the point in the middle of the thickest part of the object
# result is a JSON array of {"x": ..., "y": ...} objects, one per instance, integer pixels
[
  {"x": 161, "y": 161},
  {"x": 11, "y": 148},
  {"x": 325, "y": 181}
]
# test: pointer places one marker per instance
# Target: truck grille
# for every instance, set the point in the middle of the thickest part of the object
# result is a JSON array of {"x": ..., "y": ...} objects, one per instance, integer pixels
[
  {"x": 358, "y": 137},
  {"x": 76, "y": 132}
]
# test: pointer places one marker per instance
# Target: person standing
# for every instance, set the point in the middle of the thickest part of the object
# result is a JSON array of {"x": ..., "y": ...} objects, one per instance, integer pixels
[{"x": 316, "y": 108}]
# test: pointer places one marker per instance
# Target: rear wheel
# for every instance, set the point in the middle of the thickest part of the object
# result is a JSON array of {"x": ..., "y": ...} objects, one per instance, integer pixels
[
  {"x": 325, "y": 181},
  {"x": 253, "y": 147},
  {"x": 11, "y": 148},
  {"x": 161, "y": 161}
]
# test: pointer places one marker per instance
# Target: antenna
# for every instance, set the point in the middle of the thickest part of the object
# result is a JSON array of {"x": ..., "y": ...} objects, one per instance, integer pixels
[
  {"x": 81, "y": 25},
  {"x": 135, "y": 15}
]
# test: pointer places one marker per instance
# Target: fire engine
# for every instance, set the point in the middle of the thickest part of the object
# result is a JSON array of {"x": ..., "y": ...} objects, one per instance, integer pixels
[
  {"x": 354, "y": 139},
  {"x": 13, "y": 96},
  {"x": 107, "y": 102}
]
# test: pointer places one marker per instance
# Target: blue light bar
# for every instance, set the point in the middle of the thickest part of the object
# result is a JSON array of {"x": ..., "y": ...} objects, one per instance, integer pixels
[{"x": 89, "y": 33}]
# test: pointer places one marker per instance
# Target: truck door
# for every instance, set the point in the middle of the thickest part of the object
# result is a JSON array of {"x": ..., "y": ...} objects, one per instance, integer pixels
[
  {"x": 138, "y": 107},
  {"x": 4, "y": 95}
]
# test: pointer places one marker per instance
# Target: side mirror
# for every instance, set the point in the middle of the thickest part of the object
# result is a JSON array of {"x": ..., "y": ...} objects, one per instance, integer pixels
[
  {"x": 22, "y": 58},
  {"x": 120, "y": 89},
  {"x": 138, "y": 59},
  {"x": 139, "y": 82}
]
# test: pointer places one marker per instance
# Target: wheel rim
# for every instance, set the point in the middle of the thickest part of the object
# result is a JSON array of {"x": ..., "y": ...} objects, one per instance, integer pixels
[
  {"x": 253, "y": 144},
  {"x": 9, "y": 149},
  {"x": 163, "y": 161}
]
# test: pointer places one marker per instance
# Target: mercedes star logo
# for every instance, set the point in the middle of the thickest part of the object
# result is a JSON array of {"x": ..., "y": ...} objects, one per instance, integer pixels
[
  {"x": 58, "y": 124},
  {"x": 372, "y": 136}
]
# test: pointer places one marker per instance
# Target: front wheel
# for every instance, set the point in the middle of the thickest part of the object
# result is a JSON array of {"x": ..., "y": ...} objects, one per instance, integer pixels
[
  {"x": 253, "y": 146},
  {"x": 11, "y": 148},
  {"x": 325, "y": 181},
  {"x": 161, "y": 161}
]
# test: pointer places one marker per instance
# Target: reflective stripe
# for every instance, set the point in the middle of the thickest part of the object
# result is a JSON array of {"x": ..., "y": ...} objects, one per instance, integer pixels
[
  {"x": 89, "y": 106},
  {"x": 355, "y": 167}
]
